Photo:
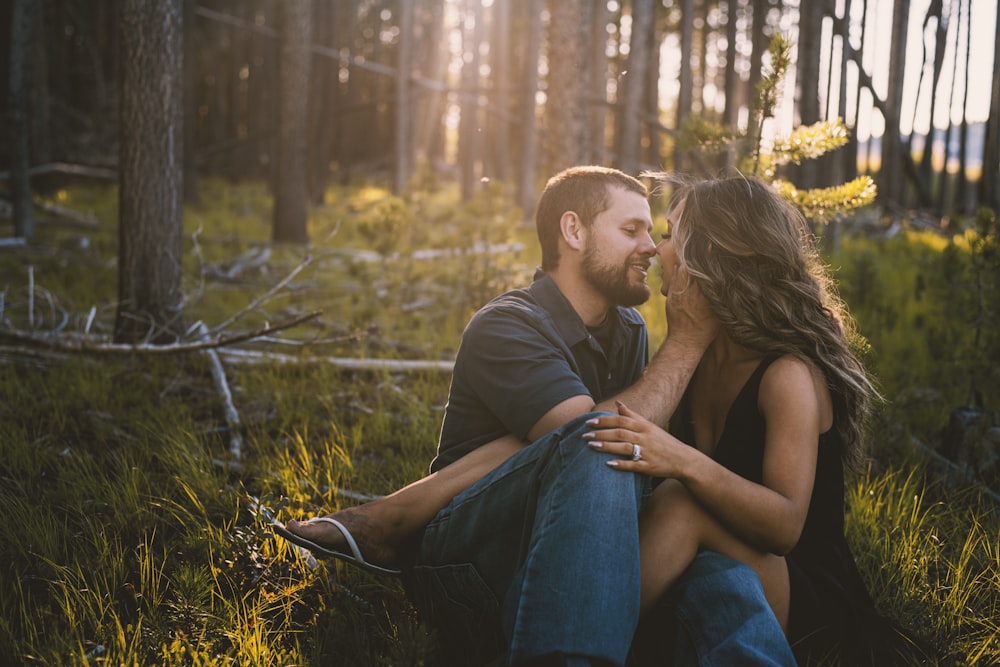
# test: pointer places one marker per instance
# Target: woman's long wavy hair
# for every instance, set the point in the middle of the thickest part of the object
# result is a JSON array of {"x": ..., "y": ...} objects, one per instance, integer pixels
[{"x": 753, "y": 257}]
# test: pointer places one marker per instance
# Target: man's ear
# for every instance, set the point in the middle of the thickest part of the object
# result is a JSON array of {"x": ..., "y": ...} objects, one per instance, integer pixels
[{"x": 573, "y": 231}]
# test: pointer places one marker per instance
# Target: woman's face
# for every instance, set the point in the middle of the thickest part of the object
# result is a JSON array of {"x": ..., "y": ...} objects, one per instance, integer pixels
[{"x": 665, "y": 248}]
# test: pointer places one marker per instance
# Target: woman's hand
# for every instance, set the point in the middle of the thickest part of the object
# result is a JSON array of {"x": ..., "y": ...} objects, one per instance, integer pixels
[{"x": 630, "y": 435}]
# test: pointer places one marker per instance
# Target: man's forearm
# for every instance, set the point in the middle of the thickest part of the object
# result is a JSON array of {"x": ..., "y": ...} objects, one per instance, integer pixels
[{"x": 656, "y": 394}]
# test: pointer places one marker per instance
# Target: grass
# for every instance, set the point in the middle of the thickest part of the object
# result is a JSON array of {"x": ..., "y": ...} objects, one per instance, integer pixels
[{"x": 124, "y": 543}]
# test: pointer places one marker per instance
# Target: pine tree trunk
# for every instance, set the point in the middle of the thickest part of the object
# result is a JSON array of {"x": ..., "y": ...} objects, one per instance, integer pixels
[
  {"x": 807, "y": 79},
  {"x": 24, "y": 16},
  {"x": 150, "y": 164},
  {"x": 527, "y": 112},
  {"x": 597, "y": 84},
  {"x": 290, "y": 197},
  {"x": 891, "y": 171},
  {"x": 566, "y": 130},
  {"x": 404, "y": 104},
  {"x": 685, "y": 93},
  {"x": 989, "y": 184},
  {"x": 635, "y": 84}
]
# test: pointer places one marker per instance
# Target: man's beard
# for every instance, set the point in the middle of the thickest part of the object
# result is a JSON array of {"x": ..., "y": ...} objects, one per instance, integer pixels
[{"x": 613, "y": 281}]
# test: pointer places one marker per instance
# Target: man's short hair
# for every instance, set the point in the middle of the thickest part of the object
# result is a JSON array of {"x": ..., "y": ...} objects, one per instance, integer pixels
[{"x": 585, "y": 191}]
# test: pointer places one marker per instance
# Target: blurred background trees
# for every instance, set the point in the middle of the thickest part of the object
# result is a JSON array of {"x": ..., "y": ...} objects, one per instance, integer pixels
[
  {"x": 495, "y": 89},
  {"x": 417, "y": 93}
]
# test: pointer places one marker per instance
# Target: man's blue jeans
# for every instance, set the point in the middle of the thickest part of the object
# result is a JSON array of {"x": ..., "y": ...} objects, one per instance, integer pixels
[{"x": 541, "y": 557}]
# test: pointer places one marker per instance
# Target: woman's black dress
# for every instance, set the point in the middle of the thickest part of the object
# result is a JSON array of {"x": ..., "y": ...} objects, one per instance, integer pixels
[{"x": 832, "y": 616}]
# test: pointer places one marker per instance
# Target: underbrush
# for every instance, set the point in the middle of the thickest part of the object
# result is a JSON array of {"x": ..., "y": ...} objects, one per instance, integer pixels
[{"x": 129, "y": 536}]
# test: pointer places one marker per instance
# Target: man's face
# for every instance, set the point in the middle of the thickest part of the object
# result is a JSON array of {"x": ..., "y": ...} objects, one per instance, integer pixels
[
  {"x": 665, "y": 248},
  {"x": 619, "y": 249}
]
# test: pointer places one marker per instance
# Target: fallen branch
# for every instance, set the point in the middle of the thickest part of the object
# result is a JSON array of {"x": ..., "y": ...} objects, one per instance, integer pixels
[
  {"x": 222, "y": 386},
  {"x": 63, "y": 345},
  {"x": 347, "y": 363}
]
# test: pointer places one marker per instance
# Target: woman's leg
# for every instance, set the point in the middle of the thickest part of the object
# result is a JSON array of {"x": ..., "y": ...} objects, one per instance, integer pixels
[
  {"x": 673, "y": 526},
  {"x": 382, "y": 526}
]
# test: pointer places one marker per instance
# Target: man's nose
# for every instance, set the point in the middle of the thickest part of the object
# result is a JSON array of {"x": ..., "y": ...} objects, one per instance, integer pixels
[{"x": 649, "y": 247}]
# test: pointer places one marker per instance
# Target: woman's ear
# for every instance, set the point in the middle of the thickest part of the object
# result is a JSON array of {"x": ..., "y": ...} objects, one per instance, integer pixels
[{"x": 573, "y": 230}]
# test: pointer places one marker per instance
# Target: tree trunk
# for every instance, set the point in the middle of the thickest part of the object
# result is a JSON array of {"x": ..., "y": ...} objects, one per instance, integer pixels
[
  {"x": 989, "y": 184},
  {"x": 653, "y": 155},
  {"x": 500, "y": 160},
  {"x": 686, "y": 90},
  {"x": 150, "y": 214},
  {"x": 936, "y": 12},
  {"x": 290, "y": 196},
  {"x": 962, "y": 187},
  {"x": 807, "y": 79},
  {"x": 731, "y": 112},
  {"x": 434, "y": 61},
  {"x": 891, "y": 170},
  {"x": 404, "y": 104},
  {"x": 25, "y": 13},
  {"x": 597, "y": 73},
  {"x": 528, "y": 111},
  {"x": 191, "y": 193},
  {"x": 635, "y": 84},
  {"x": 566, "y": 137},
  {"x": 469, "y": 148}
]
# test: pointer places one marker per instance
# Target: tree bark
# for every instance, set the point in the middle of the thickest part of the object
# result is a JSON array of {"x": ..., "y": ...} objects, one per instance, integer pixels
[
  {"x": 434, "y": 63},
  {"x": 191, "y": 193},
  {"x": 499, "y": 123},
  {"x": 635, "y": 84},
  {"x": 404, "y": 127},
  {"x": 686, "y": 90},
  {"x": 891, "y": 171},
  {"x": 566, "y": 129},
  {"x": 150, "y": 214},
  {"x": 597, "y": 84},
  {"x": 469, "y": 149},
  {"x": 290, "y": 197},
  {"x": 25, "y": 13},
  {"x": 528, "y": 111},
  {"x": 989, "y": 183},
  {"x": 807, "y": 78}
]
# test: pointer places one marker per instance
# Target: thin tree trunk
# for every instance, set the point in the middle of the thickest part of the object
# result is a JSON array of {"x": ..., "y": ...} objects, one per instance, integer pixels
[
  {"x": 962, "y": 187},
  {"x": 501, "y": 97},
  {"x": 528, "y": 111},
  {"x": 635, "y": 84},
  {"x": 597, "y": 72},
  {"x": 290, "y": 197},
  {"x": 429, "y": 147},
  {"x": 566, "y": 126},
  {"x": 651, "y": 103},
  {"x": 807, "y": 78},
  {"x": 469, "y": 148},
  {"x": 404, "y": 127},
  {"x": 150, "y": 213},
  {"x": 891, "y": 171},
  {"x": 22, "y": 22},
  {"x": 686, "y": 90},
  {"x": 989, "y": 184},
  {"x": 191, "y": 193}
]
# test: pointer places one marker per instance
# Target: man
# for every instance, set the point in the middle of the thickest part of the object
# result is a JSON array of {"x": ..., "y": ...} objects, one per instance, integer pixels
[{"x": 537, "y": 562}]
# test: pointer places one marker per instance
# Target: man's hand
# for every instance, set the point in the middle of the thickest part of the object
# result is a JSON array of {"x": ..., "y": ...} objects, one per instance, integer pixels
[{"x": 689, "y": 318}]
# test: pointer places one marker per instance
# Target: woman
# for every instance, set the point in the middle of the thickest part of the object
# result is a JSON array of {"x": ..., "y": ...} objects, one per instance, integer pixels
[{"x": 754, "y": 464}]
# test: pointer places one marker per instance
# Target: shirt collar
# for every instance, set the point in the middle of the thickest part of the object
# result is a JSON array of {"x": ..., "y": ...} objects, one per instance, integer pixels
[{"x": 564, "y": 317}]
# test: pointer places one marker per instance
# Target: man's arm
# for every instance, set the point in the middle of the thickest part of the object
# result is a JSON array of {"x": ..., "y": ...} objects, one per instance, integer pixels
[{"x": 656, "y": 394}]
